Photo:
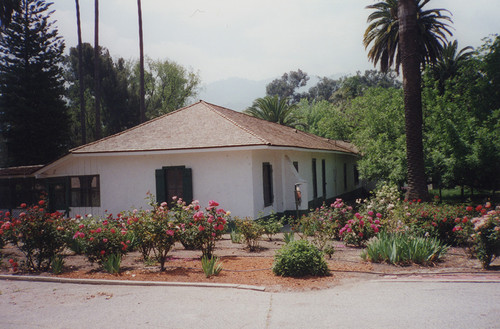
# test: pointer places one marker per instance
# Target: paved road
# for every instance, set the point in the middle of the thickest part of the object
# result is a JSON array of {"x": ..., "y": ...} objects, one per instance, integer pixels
[{"x": 366, "y": 304}]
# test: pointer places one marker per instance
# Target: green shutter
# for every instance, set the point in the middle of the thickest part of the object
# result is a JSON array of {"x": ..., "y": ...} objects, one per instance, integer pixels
[
  {"x": 161, "y": 193},
  {"x": 187, "y": 185}
]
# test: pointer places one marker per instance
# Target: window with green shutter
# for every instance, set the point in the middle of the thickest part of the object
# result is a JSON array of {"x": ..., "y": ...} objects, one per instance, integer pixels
[{"x": 174, "y": 181}]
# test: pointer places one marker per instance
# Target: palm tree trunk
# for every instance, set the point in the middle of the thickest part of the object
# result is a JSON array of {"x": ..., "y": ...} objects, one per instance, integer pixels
[
  {"x": 411, "y": 61},
  {"x": 80, "y": 75},
  {"x": 142, "y": 107},
  {"x": 97, "y": 79}
]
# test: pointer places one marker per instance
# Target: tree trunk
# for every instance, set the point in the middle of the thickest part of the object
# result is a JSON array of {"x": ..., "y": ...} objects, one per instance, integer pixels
[
  {"x": 80, "y": 75},
  {"x": 97, "y": 78},
  {"x": 142, "y": 107},
  {"x": 411, "y": 61}
]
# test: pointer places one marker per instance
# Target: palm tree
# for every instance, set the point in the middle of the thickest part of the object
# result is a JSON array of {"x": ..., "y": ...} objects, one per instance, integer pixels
[
  {"x": 447, "y": 66},
  {"x": 80, "y": 75},
  {"x": 274, "y": 109},
  {"x": 97, "y": 78},
  {"x": 7, "y": 9},
  {"x": 403, "y": 33},
  {"x": 142, "y": 106},
  {"x": 383, "y": 33}
]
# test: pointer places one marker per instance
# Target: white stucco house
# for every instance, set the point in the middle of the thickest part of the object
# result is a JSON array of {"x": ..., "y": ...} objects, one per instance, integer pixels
[{"x": 203, "y": 152}]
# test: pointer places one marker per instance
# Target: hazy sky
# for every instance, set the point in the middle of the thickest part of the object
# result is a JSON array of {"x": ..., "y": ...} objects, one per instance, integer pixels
[{"x": 257, "y": 39}]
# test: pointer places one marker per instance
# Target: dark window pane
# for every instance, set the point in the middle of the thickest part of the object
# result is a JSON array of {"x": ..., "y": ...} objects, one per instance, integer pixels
[
  {"x": 267, "y": 176},
  {"x": 174, "y": 183},
  {"x": 85, "y": 191}
]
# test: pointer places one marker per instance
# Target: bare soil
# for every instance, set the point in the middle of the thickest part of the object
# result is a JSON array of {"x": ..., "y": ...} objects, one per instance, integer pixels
[{"x": 240, "y": 266}]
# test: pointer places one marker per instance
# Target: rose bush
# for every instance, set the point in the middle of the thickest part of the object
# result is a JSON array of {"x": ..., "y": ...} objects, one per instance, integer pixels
[
  {"x": 99, "y": 238},
  {"x": 211, "y": 225},
  {"x": 430, "y": 220},
  {"x": 155, "y": 231},
  {"x": 486, "y": 235},
  {"x": 361, "y": 228},
  {"x": 324, "y": 224},
  {"x": 37, "y": 233}
]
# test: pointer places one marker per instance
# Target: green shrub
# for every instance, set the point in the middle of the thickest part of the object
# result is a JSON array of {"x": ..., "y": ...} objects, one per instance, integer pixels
[
  {"x": 299, "y": 258},
  {"x": 271, "y": 225},
  {"x": 251, "y": 231},
  {"x": 401, "y": 249}
]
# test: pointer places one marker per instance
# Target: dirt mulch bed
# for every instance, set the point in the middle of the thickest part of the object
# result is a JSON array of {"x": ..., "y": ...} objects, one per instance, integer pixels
[{"x": 241, "y": 266}]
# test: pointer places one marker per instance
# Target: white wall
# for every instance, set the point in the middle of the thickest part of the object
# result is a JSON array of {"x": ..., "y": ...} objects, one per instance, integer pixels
[
  {"x": 285, "y": 177},
  {"x": 125, "y": 180},
  {"x": 232, "y": 178}
]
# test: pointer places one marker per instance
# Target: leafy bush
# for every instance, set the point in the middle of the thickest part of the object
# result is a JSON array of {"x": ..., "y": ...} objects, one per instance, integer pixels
[
  {"x": 251, "y": 232},
  {"x": 299, "y": 258},
  {"x": 38, "y": 234},
  {"x": 487, "y": 236},
  {"x": 401, "y": 249},
  {"x": 271, "y": 225},
  {"x": 384, "y": 199}
]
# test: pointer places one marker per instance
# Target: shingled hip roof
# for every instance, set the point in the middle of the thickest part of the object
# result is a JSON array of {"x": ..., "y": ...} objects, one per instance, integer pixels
[{"x": 203, "y": 125}]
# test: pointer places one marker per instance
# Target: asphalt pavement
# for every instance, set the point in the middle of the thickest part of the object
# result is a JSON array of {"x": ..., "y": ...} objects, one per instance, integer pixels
[{"x": 389, "y": 303}]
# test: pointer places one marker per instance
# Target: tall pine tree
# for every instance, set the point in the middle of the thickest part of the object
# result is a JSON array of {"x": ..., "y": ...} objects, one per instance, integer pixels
[{"x": 33, "y": 114}]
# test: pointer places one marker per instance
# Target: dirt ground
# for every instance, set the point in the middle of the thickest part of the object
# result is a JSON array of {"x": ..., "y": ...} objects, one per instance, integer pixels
[{"x": 240, "y": 266}]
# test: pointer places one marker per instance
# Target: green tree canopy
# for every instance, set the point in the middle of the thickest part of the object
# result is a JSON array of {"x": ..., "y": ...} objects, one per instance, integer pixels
[
  {"x": 119, "y": 106},
  {"x": 33, "y": 114},
  {"x": 287, "y": 86},
  {"x": 168, "y": 86},
  {"x": 274, "y": 109},
  {"x": 382, "y": 33}
]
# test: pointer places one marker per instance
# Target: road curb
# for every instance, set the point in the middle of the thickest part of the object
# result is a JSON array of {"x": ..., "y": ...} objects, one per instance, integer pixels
[
  {"x": 440, "y": 278},
  {"x": 130, "y": 282}
]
